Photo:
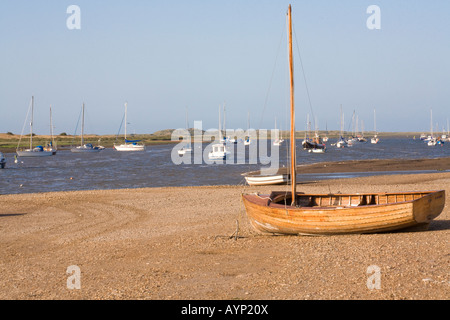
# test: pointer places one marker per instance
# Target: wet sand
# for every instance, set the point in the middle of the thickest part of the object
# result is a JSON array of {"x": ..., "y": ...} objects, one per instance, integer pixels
[
  {"x": 181, "y": 244},
  {"x": 438, "y": 164}
]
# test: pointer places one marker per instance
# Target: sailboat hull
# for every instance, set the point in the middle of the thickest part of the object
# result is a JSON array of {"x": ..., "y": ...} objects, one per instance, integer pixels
[
  {"x": 85, "y": 150},
  {"x": 32, "y": 153},
  {"x": 130, "y": 147},
  {"x": 342, "y": 213},
  {"x": 267, "y": 180}
]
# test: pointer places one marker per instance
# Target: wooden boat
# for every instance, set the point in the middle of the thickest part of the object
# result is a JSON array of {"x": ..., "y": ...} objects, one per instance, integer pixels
[
  {"x": 327, "y": 214},
  {"x": 297, "y": 213},
  {"x": 316, "y": 144}
]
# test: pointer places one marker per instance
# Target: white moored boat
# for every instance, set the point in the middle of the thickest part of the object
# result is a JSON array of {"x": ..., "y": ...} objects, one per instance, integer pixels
[
  {"x": 219, "y": 152},
  {"x": 88, "y": 147},
  {"x": 129, "y": 145},
  {"x": 263, "y": 180}
]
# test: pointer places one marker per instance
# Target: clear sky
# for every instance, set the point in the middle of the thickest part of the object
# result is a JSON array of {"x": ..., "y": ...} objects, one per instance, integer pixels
[{"x": 165, "y": 56}]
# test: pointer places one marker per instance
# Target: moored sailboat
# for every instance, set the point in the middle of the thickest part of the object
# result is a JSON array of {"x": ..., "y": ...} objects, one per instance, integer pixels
[
  {"x": 375, "y": 138},
  {"x": 219, "y": 150},
  {"x": 88, "y": 147},
  {"x": 278, "y": 141},
  {"x": 129, "y": 145},
  {"x": 341, "y": 142},
  {"x": 37, "y": 151},
  {"x": 51, "y": 146},
  {"x": 187, "y": 148},
  {"x": 298, "y": 213},
  {"x": 432, "y": 141}
]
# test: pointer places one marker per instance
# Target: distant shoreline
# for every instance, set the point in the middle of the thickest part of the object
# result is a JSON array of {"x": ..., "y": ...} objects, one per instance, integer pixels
[{"x": 9, "y": 141}]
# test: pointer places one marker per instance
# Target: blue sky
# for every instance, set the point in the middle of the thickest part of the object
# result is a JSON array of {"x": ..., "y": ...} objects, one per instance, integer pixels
[{"x": 165, "y": 56}]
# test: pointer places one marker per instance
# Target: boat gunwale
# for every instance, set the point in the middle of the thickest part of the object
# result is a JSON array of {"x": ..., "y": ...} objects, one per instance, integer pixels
[{"x": 275, "y": 196}]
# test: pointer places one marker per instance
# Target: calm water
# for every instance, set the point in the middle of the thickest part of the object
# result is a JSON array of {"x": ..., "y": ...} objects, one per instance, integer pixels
[{"x": 110, "y": 169}]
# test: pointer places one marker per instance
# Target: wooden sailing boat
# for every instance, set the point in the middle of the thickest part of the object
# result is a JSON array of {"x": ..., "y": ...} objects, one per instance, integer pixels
[{"x": 328, "y": 214}]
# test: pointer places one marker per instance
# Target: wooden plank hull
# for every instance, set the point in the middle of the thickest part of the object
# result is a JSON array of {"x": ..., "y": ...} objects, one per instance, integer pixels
[{"x": 342, "y": 213}]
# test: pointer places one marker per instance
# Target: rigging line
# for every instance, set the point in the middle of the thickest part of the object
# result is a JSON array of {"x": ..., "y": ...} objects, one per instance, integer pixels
[
  {"x": 271, "y": 78},
  {"x": 120, "y": 128},
  {"x": 23, "y": 128},
  {"x": 76, "y": 128},
  {"x": 351, "y": 124},
  {"x": 304, "y": 77}
]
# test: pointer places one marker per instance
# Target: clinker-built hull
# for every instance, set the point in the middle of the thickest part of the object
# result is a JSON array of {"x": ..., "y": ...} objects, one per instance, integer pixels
[{"x": 330, "y": 214}]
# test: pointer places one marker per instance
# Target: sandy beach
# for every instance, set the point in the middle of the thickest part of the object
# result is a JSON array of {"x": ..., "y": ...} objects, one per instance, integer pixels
[{"x": 181, "y": 244}]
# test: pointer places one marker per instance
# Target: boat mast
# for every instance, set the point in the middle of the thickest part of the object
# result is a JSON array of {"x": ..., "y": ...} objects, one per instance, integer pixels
[
  {"x": 82, "y": 126},
  {"x": 374, "y": 121},
  {"x": 293, "y": 150},
  {"x": 220, "y": 129},
  {"x": 31, "y": 122},
  {"x": 431, "y": 122},
  {"x": 187, "y": 122},
  {"x": 126, "y": 107},
  {"x": 51, "y": 126}
]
